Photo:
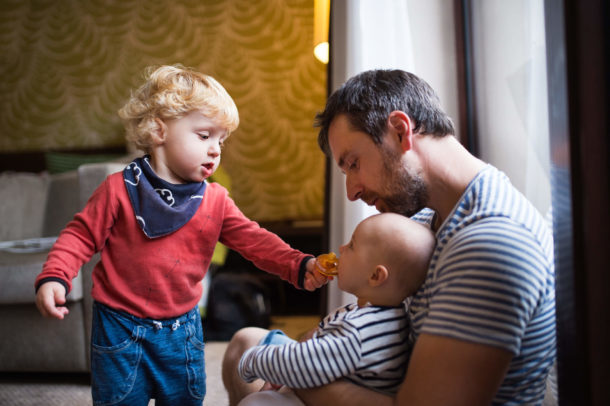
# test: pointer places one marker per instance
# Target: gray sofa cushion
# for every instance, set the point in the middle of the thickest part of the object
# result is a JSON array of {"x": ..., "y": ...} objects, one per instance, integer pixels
[
  {"x": 62, "y": 202},
  {"x": 23, "y": 204},
  {"x": 92, "y": 175},
  {"x": 36, "y": 343},
  {"x": 19, "y": 270}
]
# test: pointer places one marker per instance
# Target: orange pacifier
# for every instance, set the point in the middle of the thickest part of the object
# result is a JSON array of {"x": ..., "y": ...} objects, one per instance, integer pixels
[{"x": 326, "y": 264}]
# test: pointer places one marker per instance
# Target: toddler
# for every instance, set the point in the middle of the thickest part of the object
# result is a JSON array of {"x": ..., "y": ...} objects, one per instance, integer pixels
[{"x": 156, "y": 225}]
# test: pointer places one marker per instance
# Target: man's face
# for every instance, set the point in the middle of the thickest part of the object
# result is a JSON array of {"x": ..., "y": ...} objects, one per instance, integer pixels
[{"x": 376, "y": 174}]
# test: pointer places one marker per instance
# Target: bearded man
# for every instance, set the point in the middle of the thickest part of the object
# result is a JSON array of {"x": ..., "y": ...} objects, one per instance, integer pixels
[{"x": 483, "y": 323}]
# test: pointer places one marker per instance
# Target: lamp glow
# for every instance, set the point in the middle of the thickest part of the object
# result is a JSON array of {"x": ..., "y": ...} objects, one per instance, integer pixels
[
  {"x": 320, "y": 30},
  {"x": 321, "y": 52}
]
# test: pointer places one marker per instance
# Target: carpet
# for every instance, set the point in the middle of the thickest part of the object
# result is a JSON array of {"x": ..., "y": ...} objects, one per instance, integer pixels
[{"x": 74, "y": 389}]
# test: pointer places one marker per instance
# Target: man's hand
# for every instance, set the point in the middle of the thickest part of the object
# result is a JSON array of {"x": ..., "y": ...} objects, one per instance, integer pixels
[
  {"x": 447, "y": 371},
  {"x": 50, "y": 299},
  {"x": 313, "y": 279}
]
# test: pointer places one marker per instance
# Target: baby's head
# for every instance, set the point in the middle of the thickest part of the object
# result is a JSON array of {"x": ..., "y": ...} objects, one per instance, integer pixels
[
  {"x": 386, "y": 260},
  {"x": 172, "y": 92}
]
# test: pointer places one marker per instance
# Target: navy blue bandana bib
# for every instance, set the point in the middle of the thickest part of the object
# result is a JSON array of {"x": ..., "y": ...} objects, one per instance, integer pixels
[{"x": 160, "y": 207}]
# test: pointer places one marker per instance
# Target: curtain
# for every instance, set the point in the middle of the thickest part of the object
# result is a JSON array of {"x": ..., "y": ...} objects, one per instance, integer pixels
[
  {"x": 413, "y": 35},
  {"x": 364, "y": 35},
  {"x": 511, "y": 93}
]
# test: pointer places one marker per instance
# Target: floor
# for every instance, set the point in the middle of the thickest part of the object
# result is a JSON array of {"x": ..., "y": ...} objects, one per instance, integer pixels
[{"x": 74, "y": 389}]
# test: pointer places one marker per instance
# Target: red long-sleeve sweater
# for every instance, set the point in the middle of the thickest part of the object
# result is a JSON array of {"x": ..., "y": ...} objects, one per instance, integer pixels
[{"x": 160, "y": 278}]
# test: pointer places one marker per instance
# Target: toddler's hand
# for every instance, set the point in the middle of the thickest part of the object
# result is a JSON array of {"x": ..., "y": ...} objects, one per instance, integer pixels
[
  {"x": 314, "y": 280},
  {"x": 49, "y": 296}
]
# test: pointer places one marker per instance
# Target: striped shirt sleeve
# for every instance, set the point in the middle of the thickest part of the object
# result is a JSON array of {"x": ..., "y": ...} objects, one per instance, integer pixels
[{"x": 315, "y": 362}]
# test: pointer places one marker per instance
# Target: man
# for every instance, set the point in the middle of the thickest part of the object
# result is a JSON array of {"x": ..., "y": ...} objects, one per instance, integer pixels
[{"x": 483, "y": 323}]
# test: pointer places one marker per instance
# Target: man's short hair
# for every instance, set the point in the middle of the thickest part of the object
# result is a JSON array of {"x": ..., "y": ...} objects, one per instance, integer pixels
[{"x": 368, "y": 98}]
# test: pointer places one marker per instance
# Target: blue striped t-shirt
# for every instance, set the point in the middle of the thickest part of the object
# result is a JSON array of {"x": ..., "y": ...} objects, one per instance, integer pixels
[{"x": 491, "y": 281}]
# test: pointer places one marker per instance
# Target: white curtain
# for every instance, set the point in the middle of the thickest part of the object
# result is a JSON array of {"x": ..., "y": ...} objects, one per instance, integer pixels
[
  {"x": 370, "y": 34},
  {"x": 511, "y": 93},
  {"x": 365, "y": 35}
]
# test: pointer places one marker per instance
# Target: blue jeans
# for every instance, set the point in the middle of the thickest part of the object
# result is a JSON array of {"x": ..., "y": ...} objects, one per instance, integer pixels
[
  {"x": 276, "y": 337},
  {"x": 134, "y": 360}
]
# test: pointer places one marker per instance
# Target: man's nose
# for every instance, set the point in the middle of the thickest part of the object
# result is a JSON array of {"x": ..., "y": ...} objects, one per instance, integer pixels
[{"x": 353, "y": 188}]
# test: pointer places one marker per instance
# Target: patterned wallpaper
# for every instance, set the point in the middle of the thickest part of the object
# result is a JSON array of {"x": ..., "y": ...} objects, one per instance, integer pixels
[{"x": 66, "y": 66}]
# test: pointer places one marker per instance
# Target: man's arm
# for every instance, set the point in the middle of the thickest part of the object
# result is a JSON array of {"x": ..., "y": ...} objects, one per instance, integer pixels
[
  {"x": 343, "y": 393},
  {"x": 442, "y": 371},
  {"x": 447, "y": 371}
]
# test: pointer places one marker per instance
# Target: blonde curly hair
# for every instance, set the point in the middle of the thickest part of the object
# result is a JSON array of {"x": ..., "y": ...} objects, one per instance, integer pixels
[{"x": 171, "y": 92}]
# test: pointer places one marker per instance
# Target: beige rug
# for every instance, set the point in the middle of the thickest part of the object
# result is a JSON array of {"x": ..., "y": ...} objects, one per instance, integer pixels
[{"x": 74, "y": 390}]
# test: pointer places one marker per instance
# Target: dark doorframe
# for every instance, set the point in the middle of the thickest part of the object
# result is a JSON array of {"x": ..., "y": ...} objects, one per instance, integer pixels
[
  {"x": 577, "y": 64},
  {"x": 466, "y": 75}
]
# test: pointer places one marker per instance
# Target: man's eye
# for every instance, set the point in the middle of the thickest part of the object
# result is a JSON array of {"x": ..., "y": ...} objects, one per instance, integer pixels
[{"x": 353, "y": 164}]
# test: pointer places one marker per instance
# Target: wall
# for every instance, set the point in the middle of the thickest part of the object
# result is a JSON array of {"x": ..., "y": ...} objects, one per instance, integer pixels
[{"x": 67, "y": 66}]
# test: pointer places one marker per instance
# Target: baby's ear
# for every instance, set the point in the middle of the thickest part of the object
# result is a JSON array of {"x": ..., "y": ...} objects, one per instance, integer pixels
[{"x": 378, "y": 276}]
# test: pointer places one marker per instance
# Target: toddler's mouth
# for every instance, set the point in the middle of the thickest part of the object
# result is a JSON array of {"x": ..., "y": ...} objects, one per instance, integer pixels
[{"x": 207, "y": 169}]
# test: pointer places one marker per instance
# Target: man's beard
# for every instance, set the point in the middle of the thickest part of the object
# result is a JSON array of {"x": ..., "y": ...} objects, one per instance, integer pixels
[{"x": 404, "y": 191}]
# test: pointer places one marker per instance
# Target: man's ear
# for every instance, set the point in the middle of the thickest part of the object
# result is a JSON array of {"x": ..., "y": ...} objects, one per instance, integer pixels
[
  {"x": 400, "y": 124},
  {"x": 378, "y": 276},
  {"x": 159, "y": 132}
]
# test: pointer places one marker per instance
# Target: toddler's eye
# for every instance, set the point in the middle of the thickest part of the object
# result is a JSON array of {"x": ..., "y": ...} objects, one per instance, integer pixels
[{"x": 204, "y": 136}]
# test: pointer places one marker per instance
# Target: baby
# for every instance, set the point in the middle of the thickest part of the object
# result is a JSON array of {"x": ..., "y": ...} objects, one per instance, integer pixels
[
  {"x": 156, "y": 225},
  {"x": 385, "y": 262}
]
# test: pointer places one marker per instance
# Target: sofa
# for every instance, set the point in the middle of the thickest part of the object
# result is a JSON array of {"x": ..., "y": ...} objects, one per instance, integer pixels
[{"x": 33, "y": 210}]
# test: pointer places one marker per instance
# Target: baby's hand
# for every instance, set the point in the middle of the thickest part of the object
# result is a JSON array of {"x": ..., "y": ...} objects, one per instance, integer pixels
[
  {"x": 49, "y": 296},
  {"x": 313, "y": 280},
  {"x": 270, "y": 386}
]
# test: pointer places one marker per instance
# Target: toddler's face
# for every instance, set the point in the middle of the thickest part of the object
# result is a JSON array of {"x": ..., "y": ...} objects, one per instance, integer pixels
[{"x": 192, "y": 147}]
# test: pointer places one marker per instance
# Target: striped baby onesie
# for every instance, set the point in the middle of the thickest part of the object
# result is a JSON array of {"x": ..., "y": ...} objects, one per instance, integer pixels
[{"x": 366, "y": 345}]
